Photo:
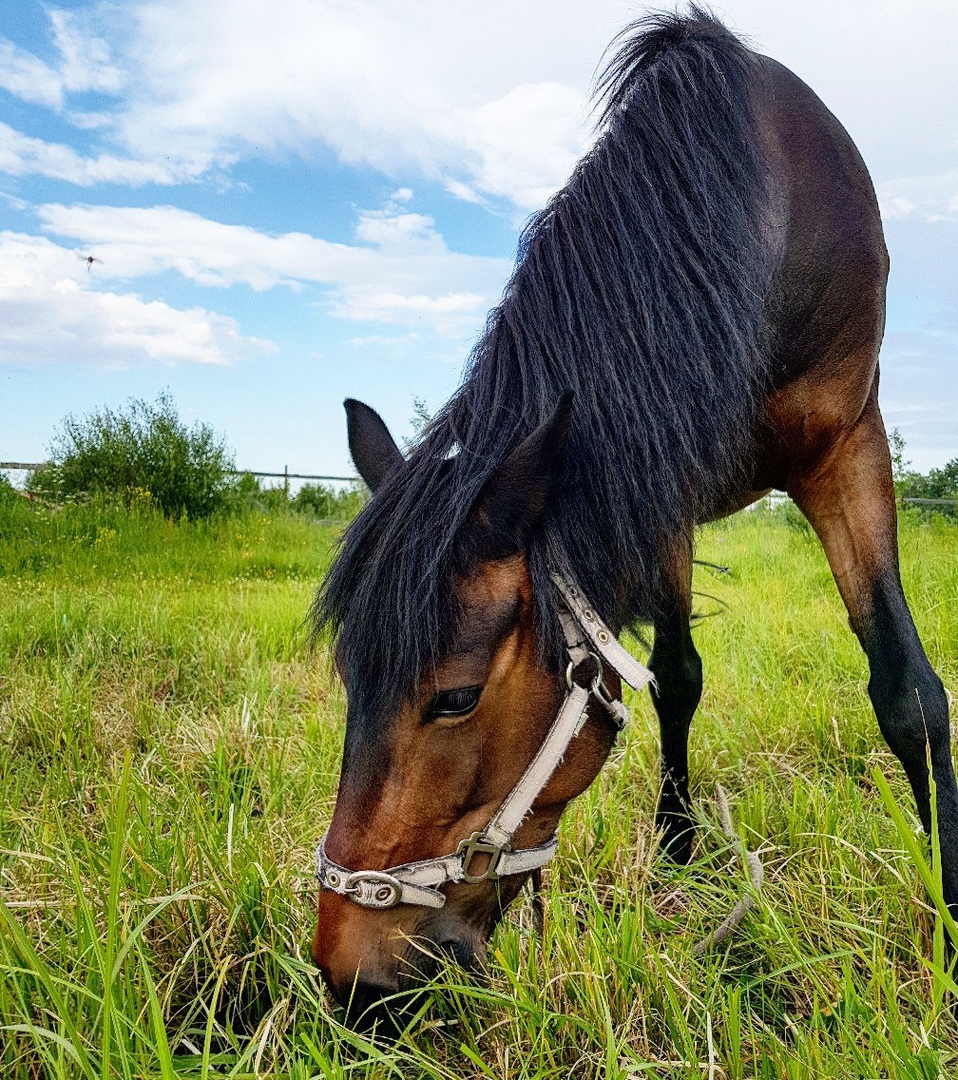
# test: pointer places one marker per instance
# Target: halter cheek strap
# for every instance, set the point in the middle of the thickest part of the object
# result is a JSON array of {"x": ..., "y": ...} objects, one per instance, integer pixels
[{"x": 590, "y": 646}]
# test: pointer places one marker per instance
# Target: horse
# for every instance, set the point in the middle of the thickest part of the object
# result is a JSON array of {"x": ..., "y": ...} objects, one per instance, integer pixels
[{"x": 694, "y": 320}]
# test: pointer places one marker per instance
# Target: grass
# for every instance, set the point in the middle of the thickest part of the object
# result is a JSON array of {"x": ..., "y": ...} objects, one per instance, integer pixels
[{"x": 168, "y": 760}]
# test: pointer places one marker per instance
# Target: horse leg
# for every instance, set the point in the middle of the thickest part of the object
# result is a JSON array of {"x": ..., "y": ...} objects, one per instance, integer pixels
[
  {"x": 849, "y": 499},
  {"x": 675, "y": 694}
]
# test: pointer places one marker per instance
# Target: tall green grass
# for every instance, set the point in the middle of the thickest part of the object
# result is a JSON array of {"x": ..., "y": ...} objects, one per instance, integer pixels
[{"x": 168, "y": 759}]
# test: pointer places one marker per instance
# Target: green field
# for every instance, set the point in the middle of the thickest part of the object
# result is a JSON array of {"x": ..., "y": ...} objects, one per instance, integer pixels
[{"x": 169, "y": 760}]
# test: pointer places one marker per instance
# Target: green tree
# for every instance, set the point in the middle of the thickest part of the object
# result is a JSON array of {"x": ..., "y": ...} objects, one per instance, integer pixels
[
  {"x": 143, "y": 452},
  {"x": 323, "y": 501},
  {"x": 899, "y": 466},
  {"x": 7, "y": 491}
]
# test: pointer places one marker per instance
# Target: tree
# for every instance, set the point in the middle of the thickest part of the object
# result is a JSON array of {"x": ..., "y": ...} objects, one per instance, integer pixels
[
  {"x": 899, "y": 466},
  {"x": 142, "y": 452}
]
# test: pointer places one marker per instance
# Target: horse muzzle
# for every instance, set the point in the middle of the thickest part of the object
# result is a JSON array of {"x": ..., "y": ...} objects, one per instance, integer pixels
[{"x": 377, "y": 964}]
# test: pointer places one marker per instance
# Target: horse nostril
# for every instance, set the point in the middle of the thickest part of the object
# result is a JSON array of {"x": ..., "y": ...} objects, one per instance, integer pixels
[
  {"x": 371, "y": 1008},
  {"x": 462, "y": 952}
]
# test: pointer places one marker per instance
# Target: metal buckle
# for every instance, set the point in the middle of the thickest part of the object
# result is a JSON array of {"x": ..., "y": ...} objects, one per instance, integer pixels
[
  {"x": 477, "y": 844},
  {"x": 373, "y": 889}
]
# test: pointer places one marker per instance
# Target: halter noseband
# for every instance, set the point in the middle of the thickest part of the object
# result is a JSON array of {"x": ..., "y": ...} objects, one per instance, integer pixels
[{"x": 589, "y": 644}]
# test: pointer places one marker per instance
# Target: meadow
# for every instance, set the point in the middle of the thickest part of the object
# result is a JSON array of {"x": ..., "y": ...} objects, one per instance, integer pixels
[{"x": 169, "y": 751}]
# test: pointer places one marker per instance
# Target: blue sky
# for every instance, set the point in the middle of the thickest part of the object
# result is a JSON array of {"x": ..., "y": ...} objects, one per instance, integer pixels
[{"x": 295, "y": 202}]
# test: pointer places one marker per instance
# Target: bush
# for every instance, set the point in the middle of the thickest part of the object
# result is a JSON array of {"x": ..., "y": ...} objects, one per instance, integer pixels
[
  {"x": 7, "y": 491},
  {"x": 248, "y": 494},
  {"x": 322, "y": 501},
  {"x": 144, "y": 452},
  {"x": 938, "y": 484}
]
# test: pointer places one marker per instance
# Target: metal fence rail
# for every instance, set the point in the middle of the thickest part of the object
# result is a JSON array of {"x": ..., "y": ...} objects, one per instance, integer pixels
[
  {"x": 286, "y": 475},
  {"x": 29, "y": 466}
]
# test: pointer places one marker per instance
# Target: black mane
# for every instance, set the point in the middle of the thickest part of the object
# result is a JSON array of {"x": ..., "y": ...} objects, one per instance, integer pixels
[{"x": 640, "y": 288}]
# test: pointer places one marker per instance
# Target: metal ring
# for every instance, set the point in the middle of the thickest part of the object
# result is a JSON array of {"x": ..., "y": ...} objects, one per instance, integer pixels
[
  {"x": 373, "y": 889},
  {"x": 570, "y": 669}
]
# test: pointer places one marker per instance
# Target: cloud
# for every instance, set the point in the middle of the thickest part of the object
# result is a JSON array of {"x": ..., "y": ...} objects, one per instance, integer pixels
[
  {"x": 487, "y": 100},
  {"x": 440, "y": 93},
  {"x": 919, "y": 387},
  {"x": 525, "y": 143},
  {"x": 51, "y": 312},
  {"x": 21, "y": 155},
  {"x": 894, "y": 206},
  {"x": 84, "y": 62},
  {"x": 932, "y": 198},
  {"x": 28, "y": 78},
  {"x": 401, "y": 271}
]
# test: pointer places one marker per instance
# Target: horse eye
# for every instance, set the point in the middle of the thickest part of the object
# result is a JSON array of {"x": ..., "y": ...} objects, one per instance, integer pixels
[{"x": 454, "y": 702}]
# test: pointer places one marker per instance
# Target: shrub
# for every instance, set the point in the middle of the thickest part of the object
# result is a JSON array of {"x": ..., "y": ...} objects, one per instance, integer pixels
[
  {"x": 7, "y": 491},
  {"x": 322, "y": 501},
  {"x": 938, "y": 484},
  {"x": 144, "y": 452},
  {"x": 247, "y": 493}
]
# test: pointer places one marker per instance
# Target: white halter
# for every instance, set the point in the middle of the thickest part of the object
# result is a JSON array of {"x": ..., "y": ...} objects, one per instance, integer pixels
[{"x": 587, "y": 639}]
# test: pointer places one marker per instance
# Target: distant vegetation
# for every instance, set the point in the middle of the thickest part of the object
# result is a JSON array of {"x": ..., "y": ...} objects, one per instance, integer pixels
[
  {"x": 144, "y": 454},
  {"x": 937, "y": 484}
]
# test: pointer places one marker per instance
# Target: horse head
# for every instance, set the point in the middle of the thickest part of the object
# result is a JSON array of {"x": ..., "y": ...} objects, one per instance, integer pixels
[{"x": 425, "y": 851}]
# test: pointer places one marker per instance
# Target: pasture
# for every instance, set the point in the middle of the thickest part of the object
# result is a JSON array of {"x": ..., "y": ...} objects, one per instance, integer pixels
[{"x": 169, "y": 760}]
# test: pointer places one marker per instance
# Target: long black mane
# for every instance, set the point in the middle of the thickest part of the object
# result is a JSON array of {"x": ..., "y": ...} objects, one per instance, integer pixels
[{"x": 640, "y": 288}]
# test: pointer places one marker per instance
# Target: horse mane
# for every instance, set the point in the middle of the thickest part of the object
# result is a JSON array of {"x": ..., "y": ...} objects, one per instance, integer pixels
[{"x": 639, "y": 287}]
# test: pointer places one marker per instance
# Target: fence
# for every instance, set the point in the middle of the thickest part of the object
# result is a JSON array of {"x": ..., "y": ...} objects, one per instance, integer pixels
[
  {"x": 773, "y": 498},
  {"x": 285, "y": 475}
]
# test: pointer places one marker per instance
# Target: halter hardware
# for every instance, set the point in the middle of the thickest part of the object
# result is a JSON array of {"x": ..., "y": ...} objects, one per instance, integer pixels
[
  {"x": 479, "y": 844},
  {"x": 587, "y": 639}
]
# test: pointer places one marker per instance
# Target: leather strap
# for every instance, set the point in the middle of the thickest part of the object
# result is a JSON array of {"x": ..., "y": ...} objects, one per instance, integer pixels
[
  {"x": 587, "y": 638},
  {"x": 416, "y": 882},
  {"x": 518, "y": 802},
  {"x": 579, "y": 615}
]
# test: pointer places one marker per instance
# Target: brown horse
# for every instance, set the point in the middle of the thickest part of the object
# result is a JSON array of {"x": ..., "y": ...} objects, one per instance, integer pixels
[{"x": 694, "y": 319}]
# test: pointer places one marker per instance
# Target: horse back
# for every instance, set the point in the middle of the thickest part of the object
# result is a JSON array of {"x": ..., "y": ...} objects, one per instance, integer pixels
[{"x": 826, "y": 299}]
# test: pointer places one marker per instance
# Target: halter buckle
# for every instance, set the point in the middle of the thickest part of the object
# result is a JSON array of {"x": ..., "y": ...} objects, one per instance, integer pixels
[
  {"x": 478, "y": 844},
  {"x": 373, "y": 889}
]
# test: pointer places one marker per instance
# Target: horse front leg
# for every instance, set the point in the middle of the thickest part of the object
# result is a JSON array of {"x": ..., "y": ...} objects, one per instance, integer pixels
[
  {"x": 848, "y": 497},
  {"x": 676, "y": 692}
]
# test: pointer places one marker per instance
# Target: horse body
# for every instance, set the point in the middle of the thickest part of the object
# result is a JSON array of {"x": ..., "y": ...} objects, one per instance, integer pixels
[{"x": 719, "y": 328}]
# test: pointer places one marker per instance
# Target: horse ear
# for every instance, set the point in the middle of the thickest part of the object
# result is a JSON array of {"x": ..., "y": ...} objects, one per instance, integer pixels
[
  {"x": 513, "y": 501},
  {"x": 374, "y": 452}
]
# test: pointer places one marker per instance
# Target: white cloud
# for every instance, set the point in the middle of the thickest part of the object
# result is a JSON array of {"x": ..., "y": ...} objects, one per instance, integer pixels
[
  {"x": 931, "y": 198},
  {"x": 489, "y": 99},
  {"x": 451, "y": 93},
  {"x": 402, "y": 271},
  {"x": 52, "y": 312},
  {"x": 486, "y": 99},
  {"x": 526, "y": 142},
  {"x": 27, "y": 77},
  {"x": 407, "y": 231},
  {"x": 919, "y": 387},
  {"x": 85, "y": 61},
  {"x": 21, "y": 155},
  {"x": 895, "y": 206}
]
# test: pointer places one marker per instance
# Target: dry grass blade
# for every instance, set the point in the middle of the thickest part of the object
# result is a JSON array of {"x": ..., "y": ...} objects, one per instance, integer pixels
[{"x": 756, "y": 874}]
